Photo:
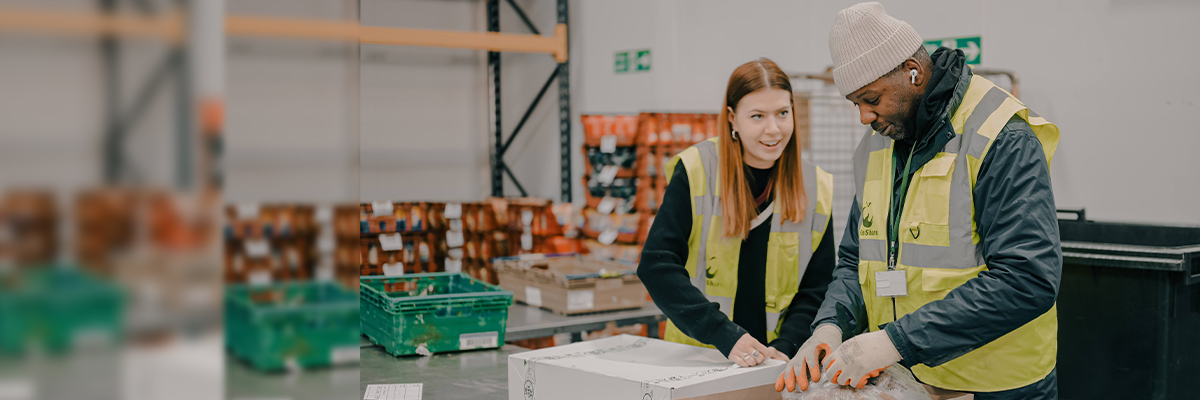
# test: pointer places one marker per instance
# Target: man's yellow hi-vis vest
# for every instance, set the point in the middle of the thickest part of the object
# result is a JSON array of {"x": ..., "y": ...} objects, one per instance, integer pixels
[{"x": 939, "y": 245}]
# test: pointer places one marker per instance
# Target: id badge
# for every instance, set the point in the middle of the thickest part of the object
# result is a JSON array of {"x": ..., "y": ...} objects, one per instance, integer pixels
[{"x": 891, "y": 283}]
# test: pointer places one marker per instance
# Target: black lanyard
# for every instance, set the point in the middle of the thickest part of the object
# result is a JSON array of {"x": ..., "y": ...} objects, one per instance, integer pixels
[{"x": 894, "y": 216}]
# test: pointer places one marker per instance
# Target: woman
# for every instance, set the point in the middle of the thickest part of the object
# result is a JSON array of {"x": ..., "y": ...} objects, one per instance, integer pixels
[{"x": 740, "y": 253}]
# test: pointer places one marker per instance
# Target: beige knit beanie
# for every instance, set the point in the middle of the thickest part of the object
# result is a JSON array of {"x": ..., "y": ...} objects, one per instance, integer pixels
[{"x": 866, "y": 43}]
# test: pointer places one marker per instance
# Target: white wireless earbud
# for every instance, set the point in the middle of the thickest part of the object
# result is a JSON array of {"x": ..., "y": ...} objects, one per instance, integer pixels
[{"x": 913, "y": 73}]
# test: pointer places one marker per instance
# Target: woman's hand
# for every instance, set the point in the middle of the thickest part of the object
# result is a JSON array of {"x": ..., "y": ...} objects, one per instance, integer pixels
[
  {"x": 776, "y": 354},
  {"x": 748, "y": 352}
]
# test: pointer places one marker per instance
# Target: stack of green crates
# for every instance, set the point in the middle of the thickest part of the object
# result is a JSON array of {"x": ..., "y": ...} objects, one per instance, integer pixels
[
  {"x": 438, "y": 311},
  {"x": 58, "y": 309},
  {"x": 289, "y": 325}
]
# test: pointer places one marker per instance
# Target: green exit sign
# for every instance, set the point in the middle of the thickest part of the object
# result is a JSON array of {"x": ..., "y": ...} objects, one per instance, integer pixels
[
  {"x": 972, "y": 47},
  {"x": 631, "y": 61}
]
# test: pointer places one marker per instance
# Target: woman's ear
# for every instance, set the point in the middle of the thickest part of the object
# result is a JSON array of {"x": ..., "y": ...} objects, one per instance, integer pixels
[{"x": 732, "y": 119}]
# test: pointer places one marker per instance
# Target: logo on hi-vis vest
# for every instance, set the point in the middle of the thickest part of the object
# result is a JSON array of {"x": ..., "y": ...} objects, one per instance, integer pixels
[
  {"x": 867, "y": 221},
  {"x": 708, "y": 272}
]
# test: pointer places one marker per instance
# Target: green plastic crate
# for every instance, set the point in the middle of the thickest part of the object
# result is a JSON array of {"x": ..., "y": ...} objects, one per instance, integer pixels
[
  {"x": 440, "y": 311},
  {"x": 59, "y": 308},
  {"x": 297, "y": 324}
]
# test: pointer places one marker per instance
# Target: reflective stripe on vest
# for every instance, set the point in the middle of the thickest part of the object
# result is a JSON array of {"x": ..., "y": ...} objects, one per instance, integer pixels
[
  {"x": 939, "y": 243},
  {"x": 713, "y": 259}
]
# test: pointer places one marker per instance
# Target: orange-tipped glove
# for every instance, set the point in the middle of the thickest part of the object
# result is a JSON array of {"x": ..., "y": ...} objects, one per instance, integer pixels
[
  {"x": 807, "y": 361},
  {"x": 861, "y": 358}
]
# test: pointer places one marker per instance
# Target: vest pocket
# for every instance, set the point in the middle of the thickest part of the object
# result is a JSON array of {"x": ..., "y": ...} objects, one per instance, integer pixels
[{"x": 929, "y": 215}]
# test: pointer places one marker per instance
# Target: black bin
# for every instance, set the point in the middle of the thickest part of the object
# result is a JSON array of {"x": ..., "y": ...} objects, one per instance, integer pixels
[{"x": 1129, "y": 311}]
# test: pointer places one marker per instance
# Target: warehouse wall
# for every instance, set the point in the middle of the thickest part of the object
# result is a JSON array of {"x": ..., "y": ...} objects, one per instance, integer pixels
[
  {"x": 422, "y": 110},
  {"x": 290, "y": 130}
]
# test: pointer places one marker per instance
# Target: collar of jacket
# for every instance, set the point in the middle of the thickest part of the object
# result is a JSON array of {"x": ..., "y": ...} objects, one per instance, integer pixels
[{"x": 932, "y": 142}]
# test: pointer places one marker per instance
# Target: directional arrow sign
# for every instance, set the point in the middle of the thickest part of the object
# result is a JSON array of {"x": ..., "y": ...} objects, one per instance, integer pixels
[{"x": 972, "y": 47}]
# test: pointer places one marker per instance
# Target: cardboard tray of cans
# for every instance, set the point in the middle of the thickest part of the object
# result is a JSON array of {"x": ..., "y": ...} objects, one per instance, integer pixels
[
  {"x": 570, "y": 284},
  {"x": 387, "y": 217}
]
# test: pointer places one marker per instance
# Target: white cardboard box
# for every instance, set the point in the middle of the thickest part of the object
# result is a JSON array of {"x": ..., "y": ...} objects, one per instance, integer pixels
[{"x": 636, "y": 368}]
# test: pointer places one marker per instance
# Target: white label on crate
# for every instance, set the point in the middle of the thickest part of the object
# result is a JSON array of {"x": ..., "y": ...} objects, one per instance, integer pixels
[
  {"x": 453, "y": 210},
  {"x": 454, "y": 239},
  {"x": 324, "y": 214},
  {"x": 608, "y": 236},
  {"x": 260, "y": 278},
  {"x": 372, "y": 256},
  {"x": 456, "y": 254},
  {"x": 607, "y": 174},
  {"x": 325, "y": 244},
  {"x": 393, "y": 269},
  {"x": 468, "y": 341},
  {"x": 652, "y": 137},
  {"x": 533, "y": 296},
  {"x": 257, "y": 248},
  {"x": 608, "y": 143},
  {"x": 344, "y": 354},
  {"x": 453, "y": 265},
  {"x": 578, "y": 300},
  {"x": 324, "y": 273},
  {"x": 526, "y": 217},
  {"x": 407, "y": 391},
  {"x": 381, "y": 208},
  {"x": 423, "y": 252},
  {"x": 607, "y": 204},
  {"x": 391, "y": 242},
  {"x": 527, "y": 241},
  {"x": 247, "y": 211},
  {"x": 456, "y": 225}
]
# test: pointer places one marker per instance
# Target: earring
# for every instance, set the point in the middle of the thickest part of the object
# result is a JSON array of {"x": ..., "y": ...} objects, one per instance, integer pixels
[
  {"x": 913, "y": 73},
  {"x": 733, "y": 134}
]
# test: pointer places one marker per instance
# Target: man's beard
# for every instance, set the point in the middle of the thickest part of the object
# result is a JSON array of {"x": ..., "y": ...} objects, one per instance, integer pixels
[
  {"x": 904, "y": 129},
  {"x": 897, "y": 131}
]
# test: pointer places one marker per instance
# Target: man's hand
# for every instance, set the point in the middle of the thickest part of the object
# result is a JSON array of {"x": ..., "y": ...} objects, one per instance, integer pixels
[
  {"x": 860, "y": 358},
  {"x": 807, "y": 361}
]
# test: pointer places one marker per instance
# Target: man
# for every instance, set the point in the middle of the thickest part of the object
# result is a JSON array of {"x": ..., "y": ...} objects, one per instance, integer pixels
[{"x": 951, "y": 260}]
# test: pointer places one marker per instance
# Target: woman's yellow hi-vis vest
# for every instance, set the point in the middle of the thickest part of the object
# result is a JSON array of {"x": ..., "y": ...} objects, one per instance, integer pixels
[
  {"x": 712, "y": 259},
  {"x": 939, "y": 245}
]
